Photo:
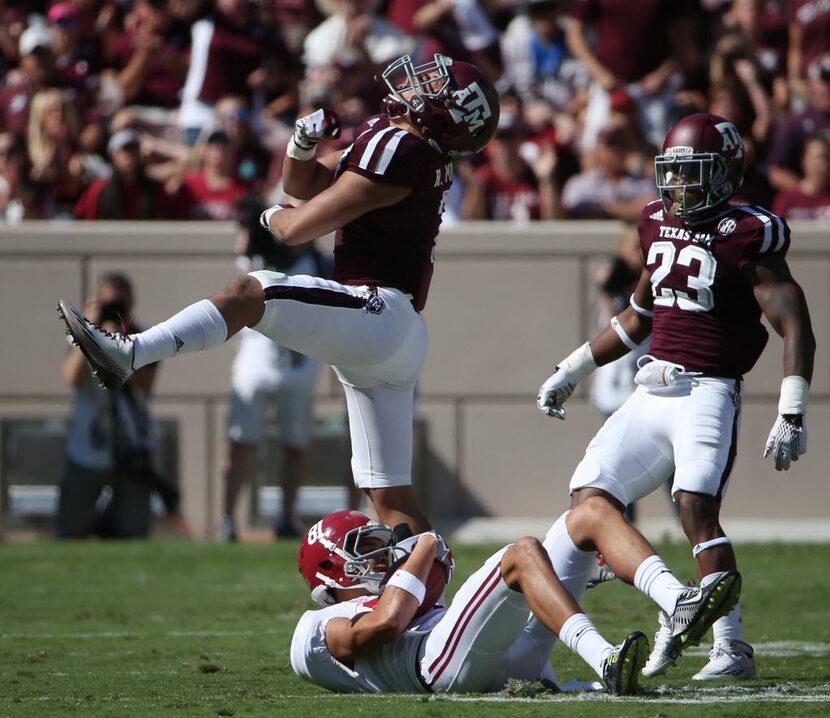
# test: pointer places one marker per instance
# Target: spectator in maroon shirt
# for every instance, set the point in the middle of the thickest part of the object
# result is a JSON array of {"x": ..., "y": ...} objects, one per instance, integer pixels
[
  {"x": 734, "y": 64},
  {"x": 810, "y": 198},
  {"x": 506, "y": 186},
  {"x": 809, "y": 39},
  {"x": 154, "y": 66},
  {"x": 296, "y": 18},
  {"x": 636, "y": 45},
  {"x": 792, "y": 129},
  {"x": 460, "y": 29},
  {"x": 228, "y": 51},
  {"x": 73, "y": 66},
  {"x": 730, "y": 100},
  {"x": 128, "y": 194},
  {"x": 762, "y": 28},
  {"x": 12, "y": 25},
  {"x": 214, "y": 191}
]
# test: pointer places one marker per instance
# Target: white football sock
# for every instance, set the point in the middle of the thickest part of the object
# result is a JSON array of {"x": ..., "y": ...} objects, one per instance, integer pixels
[
  {"x": 580, "y": 635},
  {"x": 197, "y": 327},
  {"x": 656, "y": 581},
  {"x": 532, "y": 651},
  {"x": 730, "y": 627}
]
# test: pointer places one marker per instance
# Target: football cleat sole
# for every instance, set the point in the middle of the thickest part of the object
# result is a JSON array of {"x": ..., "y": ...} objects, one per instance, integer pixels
[
  {"x": 720, "y": 601},
  {"x": 621, "y": 673}
]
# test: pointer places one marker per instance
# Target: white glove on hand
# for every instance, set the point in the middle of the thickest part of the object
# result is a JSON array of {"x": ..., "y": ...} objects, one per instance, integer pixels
[
  {"x": 561, "y": 384},
  {"x": 554, "y": 392},
  {"x": 320, "y": 125},
  {"x": 443, "y": 553},
  {"x": 787, "y": 440}
]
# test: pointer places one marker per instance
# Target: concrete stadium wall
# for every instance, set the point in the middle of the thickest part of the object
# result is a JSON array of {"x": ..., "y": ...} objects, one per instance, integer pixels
[{"x": 507, "y": 302}]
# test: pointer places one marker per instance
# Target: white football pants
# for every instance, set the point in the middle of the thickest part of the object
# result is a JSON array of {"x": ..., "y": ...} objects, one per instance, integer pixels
[
  {"x": 691, "y": 432},
  {"x": 375, "y": 342}
]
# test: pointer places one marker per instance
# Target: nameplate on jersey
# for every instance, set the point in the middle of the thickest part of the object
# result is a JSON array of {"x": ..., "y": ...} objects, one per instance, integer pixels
[
  {"x": 685, "y": 235},
  {"x": 443, "y": 176}
]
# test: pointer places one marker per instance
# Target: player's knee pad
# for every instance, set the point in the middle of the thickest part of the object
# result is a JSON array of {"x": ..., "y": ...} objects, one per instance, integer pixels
[{"x": 699, "y": 548}]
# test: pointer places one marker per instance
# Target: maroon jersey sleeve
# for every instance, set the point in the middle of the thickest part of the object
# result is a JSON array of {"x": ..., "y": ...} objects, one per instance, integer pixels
[
  {"x": 391, "y": 155},
  {"x": 760, "y": 232}
]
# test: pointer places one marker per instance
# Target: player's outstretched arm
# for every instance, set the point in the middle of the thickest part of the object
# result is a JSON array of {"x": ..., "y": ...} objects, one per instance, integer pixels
[
  {"x": 784, "y": 305},
  {"x": 395, "y": 609},
  {"x": 625, "y": 331},
  {"x": 351, "y": 196}
]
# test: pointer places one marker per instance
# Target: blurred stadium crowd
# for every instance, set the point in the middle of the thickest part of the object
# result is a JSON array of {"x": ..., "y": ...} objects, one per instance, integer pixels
[{"x": 181, "y": 109}]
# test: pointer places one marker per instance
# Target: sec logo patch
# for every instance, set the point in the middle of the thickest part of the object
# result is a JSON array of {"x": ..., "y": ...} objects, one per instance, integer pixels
[{"x": 727, "y": 226}]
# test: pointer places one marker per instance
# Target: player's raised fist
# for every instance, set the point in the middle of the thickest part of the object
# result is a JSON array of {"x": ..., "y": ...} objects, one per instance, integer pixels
[{"x": 322, "y": 124}]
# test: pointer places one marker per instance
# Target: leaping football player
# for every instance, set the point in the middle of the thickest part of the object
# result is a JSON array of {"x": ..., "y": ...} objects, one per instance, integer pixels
[
  {"x": 712, "y": 269},
  {"x": 384, "y": 194},
  {"x": 380, "y": 631}
]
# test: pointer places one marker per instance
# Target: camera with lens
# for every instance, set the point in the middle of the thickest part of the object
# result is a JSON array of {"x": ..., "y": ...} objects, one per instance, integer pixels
[{"x": 115, "y": 311}]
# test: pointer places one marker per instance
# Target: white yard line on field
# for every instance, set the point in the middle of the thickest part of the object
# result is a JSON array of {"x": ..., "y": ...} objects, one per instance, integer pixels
[
  {"x": 785, "y": 693},
  {"x": 776, "y": 649}
]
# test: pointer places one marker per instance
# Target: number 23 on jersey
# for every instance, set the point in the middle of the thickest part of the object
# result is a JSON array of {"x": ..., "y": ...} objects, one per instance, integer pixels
[{"x": 697, "y": 295}]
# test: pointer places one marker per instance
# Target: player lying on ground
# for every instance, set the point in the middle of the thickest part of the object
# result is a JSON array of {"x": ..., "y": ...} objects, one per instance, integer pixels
[
  {"x": 711, "y": 270},
  {"x": 401, "y": 641},
  {"x": 385, "y": 195}
]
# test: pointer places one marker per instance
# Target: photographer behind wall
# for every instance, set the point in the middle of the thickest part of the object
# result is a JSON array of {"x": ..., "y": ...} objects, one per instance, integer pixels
[{"x": 111, "y": 437}]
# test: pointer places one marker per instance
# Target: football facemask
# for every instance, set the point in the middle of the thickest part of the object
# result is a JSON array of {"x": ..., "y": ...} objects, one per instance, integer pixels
[
  {"x": 356, "y": 559},
  {"x": 690, "y": 184},
  {"x": 410, "y": 84}
]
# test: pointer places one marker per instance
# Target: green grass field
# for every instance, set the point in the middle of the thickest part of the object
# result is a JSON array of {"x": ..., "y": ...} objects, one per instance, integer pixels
[{"x": 195, "y": 629}]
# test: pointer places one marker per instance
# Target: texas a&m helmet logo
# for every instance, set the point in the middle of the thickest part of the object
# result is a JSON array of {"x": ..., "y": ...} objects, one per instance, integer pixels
[
  {"x": 732, "y": 143},
  {"x": 472, "y": 108}
]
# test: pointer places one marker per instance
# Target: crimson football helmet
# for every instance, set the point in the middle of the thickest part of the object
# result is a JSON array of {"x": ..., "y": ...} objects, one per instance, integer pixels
[
  {"x": 333, "y": 554},
  {"x": 701, "y": 166},
  {"x": 452, "y": 103}
]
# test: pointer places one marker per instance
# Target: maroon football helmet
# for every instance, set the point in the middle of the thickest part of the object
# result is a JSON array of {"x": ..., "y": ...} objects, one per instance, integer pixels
[
  {"x": 332, "y": 555},
  {"x": 701, "y": 166},
  {"x": 452, "y": 103}
]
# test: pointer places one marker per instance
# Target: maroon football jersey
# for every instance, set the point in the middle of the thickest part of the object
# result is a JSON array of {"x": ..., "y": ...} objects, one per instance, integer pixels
[
  {"x": 393, "y": 246},
  {"x": 705, "y": 314}
]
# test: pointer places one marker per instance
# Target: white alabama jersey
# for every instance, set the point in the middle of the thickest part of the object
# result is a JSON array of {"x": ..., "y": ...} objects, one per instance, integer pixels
[{"x": 391, "y": 668}]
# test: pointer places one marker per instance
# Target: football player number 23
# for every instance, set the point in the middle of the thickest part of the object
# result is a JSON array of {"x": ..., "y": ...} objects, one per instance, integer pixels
[{"x": 665, "y": 253}]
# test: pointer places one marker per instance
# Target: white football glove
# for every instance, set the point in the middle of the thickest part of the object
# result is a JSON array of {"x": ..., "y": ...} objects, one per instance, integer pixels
[
  {"x": 561, "y": 384},
  {"x": 323, "y": 124},
  {"x": 554, "y": 392},
  {"x": 443, "y": 553},
  {"x": 787, "y": 440}
]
